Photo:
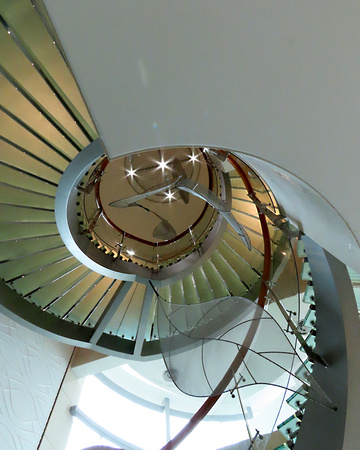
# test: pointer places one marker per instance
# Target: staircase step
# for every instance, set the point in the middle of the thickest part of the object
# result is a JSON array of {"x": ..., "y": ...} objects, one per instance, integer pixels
[
  {"x": 20, "y": 136},
  {"x": 177, "y": 293},
  {"x": 217, "y": 283},
  {"x": 48, "y": 58},
  {"x": 98, "y": 300},
  {"x": 310, "y": 319},
  {"x": 300, "y": 249},
  {"x": 297, "y": 399},
  {"x": 57, "y": 288},
  {"x": 125, "y": 321},
  {"x": 26, "y": 230},
  {"x": 77, "y": 292},
  {"x": 36, "y": 115},
  {"x": 20, "y": 159},
  {"x": 306, "y": 271},
  {"x": 15, "y": 177},
  {"x": 41, "y": 277},
  {"x": 239, "y": 265},
  {"x": 30, "y": 263},
  {"x": 289, "y": 426},
  {"x": 10, "y": 250},
  {"x": 190, "y": 292},
  {"x": 84, "y": 297},
  {"x": 19, "y": 196},
  {"x": 235, "y": 242},
  {"x": 203, "y": 285},
  {"x": 311, "y": 342},
  {"x": 246, "y": 207},
  {"x": 303, "y": 371},
  {"x": 251, "y": 222},
  {"x": 230, "y": 277},
  {"x": 11, "y": 213}
]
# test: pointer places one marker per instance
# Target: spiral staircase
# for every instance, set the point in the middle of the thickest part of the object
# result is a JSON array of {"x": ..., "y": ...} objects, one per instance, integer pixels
[{"x": 44, "y": 124}]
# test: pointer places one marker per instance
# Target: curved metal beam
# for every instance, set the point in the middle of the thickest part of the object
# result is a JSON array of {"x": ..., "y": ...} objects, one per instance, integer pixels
[
  {"x": 79, "y": 245},
  {"x": 338, "y": 341},
  {"x": 202, "y": 192}
]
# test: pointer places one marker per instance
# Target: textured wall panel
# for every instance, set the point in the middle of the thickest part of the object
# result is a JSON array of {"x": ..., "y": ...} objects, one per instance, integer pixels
[{"x": 31, "y": 370}]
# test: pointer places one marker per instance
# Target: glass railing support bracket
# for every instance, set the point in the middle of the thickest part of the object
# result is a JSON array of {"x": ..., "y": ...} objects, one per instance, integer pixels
[
  {"x": 313, "y": 356},
  {"x": 279, "y": 220}
]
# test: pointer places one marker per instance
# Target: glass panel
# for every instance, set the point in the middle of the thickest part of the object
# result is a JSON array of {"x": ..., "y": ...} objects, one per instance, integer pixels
[
  {"x": 306, "y": 272},
  {"x": 231, "y": 332},
  {"x": 289, "y": 426},
  {"x": 310, "y": 319},
  {"x": 297, "y": 399},
  {"x": 309, "y": 295}
]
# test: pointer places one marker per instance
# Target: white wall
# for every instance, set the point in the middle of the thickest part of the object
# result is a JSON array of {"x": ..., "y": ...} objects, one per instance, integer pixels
[
  {"x": 59, "y": 427},
  {"x": 31, "y": 369}
]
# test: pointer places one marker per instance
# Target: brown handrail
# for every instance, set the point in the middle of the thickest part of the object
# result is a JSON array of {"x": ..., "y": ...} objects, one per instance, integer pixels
[{"x": 210, "y": 402}]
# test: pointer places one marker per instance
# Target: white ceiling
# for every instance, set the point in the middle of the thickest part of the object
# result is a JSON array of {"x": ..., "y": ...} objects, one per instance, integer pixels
[{"x": 278, "y": 80}]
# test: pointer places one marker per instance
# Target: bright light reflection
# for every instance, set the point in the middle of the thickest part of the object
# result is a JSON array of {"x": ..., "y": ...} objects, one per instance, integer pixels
[
  {"x": 135, "y": 374},
  {"x": 193, "y": 157},
  {"x": 163, "y": 164},
  {"x": 82, "y": 436},
  {"x": 131, "y": 252},
  {"x": 141, "y": 426},
  {"x": 169, "y": 196},
  {"x": 131, "y": 172}
]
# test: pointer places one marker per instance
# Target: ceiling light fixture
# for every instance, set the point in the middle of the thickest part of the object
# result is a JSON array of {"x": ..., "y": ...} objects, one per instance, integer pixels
[
  {"x": 169, "y": 196},
  {"x": 163, "y": 164},
  {"x": 131, "y": 172}
]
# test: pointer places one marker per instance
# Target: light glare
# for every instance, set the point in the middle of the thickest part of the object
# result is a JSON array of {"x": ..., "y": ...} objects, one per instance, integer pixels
[
  {"x": 163, "y": 164},
  {"x": 169, "y": 195},
  {"x": 131, "y": 172}
]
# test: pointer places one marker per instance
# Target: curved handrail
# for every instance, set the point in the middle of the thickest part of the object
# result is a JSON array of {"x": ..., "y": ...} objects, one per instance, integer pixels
[{"x": 210, "y": 402}]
